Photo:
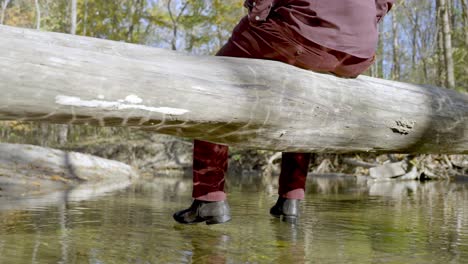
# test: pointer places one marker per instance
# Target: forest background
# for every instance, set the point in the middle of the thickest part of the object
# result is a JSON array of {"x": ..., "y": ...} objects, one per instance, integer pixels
[{"x": 423, "y": 42}]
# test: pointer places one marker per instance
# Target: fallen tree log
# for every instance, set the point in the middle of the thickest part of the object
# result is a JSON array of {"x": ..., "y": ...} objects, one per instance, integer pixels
[{"x": 240, "y": 102}]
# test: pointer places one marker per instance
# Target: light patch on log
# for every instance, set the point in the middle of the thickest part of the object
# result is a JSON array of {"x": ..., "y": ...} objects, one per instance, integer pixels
[
  {"x": 58, "y": 61},
  {"x": 119, "y": 105},
  {"x": 133, "y": 99},
  {"x": 196, "y": 87}
]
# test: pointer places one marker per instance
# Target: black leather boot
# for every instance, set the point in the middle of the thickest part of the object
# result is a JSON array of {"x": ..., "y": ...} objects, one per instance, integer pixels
[
  {"x": 201, "y": 211},
  {"x": 286, "y": 209}
]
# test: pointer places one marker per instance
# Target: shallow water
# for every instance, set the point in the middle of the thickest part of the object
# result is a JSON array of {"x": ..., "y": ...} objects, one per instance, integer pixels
[{"x": 343, "y": 221}]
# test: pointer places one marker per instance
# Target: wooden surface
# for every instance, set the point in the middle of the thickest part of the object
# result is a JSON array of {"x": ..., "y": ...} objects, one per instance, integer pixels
[{"x": 240, "y": 102}]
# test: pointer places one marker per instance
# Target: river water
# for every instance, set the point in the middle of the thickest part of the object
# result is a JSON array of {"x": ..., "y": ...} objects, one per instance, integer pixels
[{"x": 344, "y": 220}]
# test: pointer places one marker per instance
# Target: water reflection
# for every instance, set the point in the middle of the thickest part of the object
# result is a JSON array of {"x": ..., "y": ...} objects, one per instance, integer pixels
[
  {"x": 290, "y": 243},
  {"x": 211, "y": 247},
  {"x": 344, "y": 220},
  {"x": 19, "y": 200}
]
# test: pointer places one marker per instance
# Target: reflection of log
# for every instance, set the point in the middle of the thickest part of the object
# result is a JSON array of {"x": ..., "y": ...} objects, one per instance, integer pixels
[
  {"x": 249, "y": 103},
  {"x": 14, "y": 200}
]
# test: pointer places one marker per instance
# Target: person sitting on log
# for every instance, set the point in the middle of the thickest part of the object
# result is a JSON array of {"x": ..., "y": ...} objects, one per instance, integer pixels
[{"x": 333, "y": 36}]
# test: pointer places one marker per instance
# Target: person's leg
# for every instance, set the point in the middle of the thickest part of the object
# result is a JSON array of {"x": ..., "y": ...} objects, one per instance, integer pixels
[
  {"x": 294, "y": 168},
  {"x": 210, "y": 162},
  {"x": 274, "y": 42},
  {"x": 209, "y": 204},
  {"x": 292, "y": 180}
]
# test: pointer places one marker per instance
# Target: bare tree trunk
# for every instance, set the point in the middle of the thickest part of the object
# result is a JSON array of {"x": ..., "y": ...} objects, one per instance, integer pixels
[
  {"x": 38, "y": 14},
  {"x": 464, "y": 5},
  {"x": 451, "y": 17},
  {"x": 465, "y": 19},
  {"x": 85, "y": 19},
  {"x": 73, "y": 17},
  {"x": 373, "y": 70},
  {"x": 174, "y": 25},
  {"x": 377, "y": 67},
  {"x": 415, "y": 41},
  {"x": 2, "y": 15},
  {"x": 396, "y": 55},
  {"x": 175, "y": 22},
  {"x": 44, "y": 134},
  {"x": 425, "y": 46},
  {"x": 63, "y": 134},
  {"x": 131, "y": 27},
  {"x": 134, "y": 18},
  {"x": 440, "y": 80},
  {"x": 425, "y": 68},
  {"x": 447, "y": 40}
]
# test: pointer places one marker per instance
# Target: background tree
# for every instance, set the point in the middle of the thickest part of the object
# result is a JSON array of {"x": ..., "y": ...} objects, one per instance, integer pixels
[
  {"x": 395, "y": 48},
  {"x": 38, "y": 14},
  {"x": 443, "y": 10},
  {"x": 4, "y": 6},
  {"x": 73, "y": 17}
]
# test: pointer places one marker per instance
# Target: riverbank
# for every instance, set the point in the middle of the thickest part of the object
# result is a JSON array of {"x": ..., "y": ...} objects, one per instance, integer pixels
[{"x": 155, "y": 154}]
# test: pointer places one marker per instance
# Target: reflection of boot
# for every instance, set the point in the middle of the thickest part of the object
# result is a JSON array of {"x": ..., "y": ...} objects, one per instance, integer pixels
[
  {"x": 201, "y": 211},
  {"x": 287, "y": 209}
]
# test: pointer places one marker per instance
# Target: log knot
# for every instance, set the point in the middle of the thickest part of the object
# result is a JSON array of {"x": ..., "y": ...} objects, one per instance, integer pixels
[{"x": 403, "y": 126}]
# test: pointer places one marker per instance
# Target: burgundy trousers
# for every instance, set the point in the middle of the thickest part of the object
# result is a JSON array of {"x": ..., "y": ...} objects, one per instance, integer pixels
[{"x": 269, "y": 40}]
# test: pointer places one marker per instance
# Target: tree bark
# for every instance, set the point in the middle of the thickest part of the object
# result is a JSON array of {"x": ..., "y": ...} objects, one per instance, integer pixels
[
  {"x": 38, "y": 14},
  {"x": 73, "y": 17},
  {"x": 414, "y": 40},
  {"x": 175, "y": 22},
  {"x": 465, "y": 19},
  {"x": 377, "y": 67},
  {"x": 447, "y": 40},
  {"x": 85, "y": 18},
  {"x": 441, "y": 80},
  {"x": 396, "y": 49},
  {"x": 2, "y": 14},
  {"x": 174, "y": 26},
  {"x": 240, "y": 102}
]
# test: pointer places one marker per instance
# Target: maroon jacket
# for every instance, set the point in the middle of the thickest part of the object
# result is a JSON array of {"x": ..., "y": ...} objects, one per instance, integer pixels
[{"x": 348, "y": 26}]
